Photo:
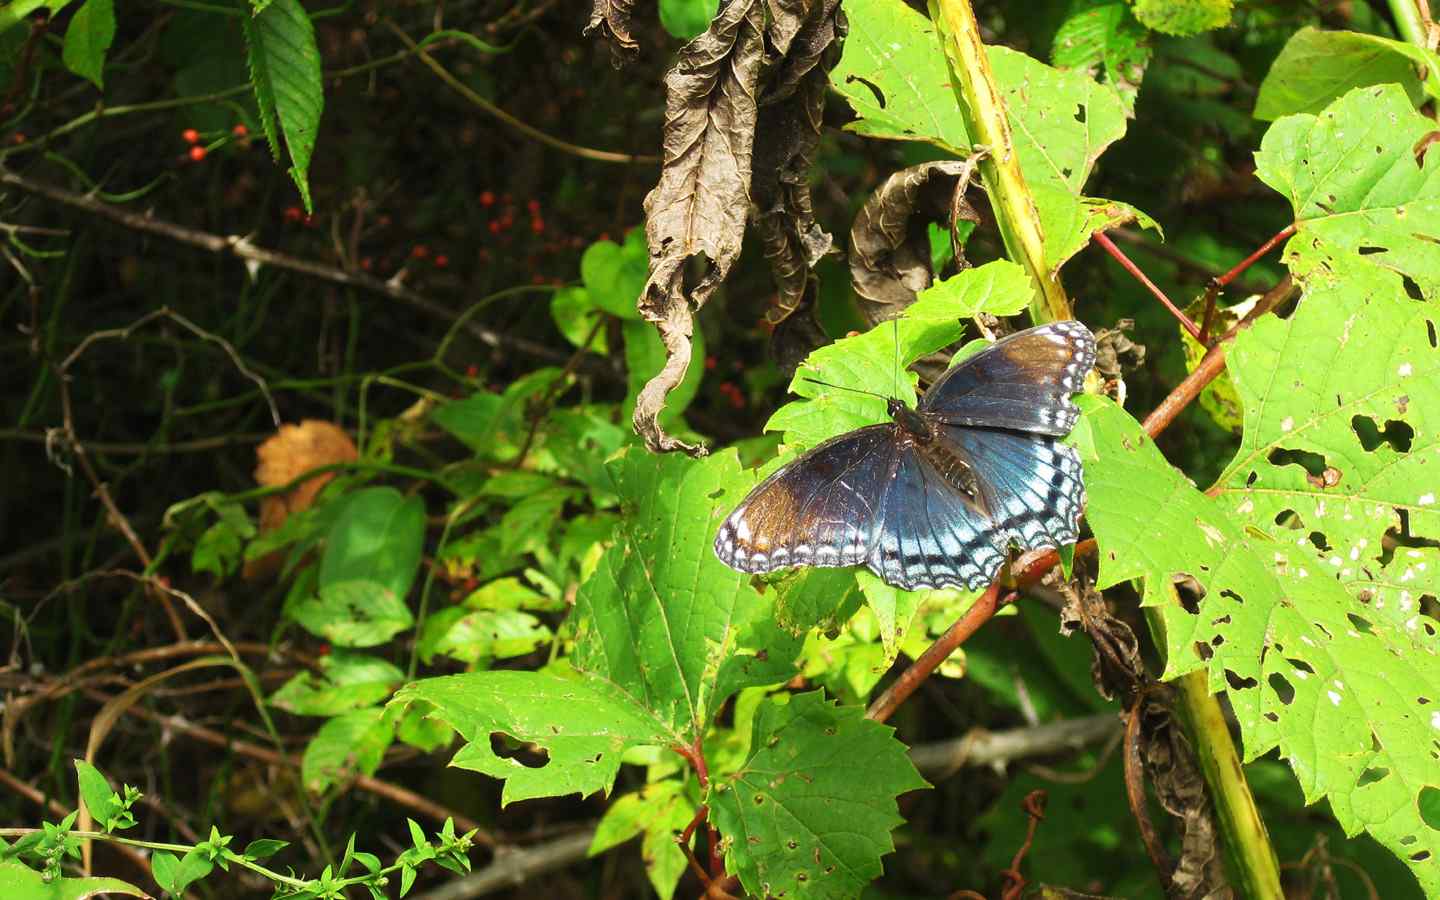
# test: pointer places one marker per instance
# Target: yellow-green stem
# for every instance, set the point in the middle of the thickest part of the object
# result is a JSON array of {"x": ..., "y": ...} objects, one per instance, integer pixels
[
  {"x": 1252, "y": 856},
  {"x": 985, "y": 118}
]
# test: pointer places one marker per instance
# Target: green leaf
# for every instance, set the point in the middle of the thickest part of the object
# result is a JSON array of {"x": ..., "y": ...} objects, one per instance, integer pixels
[
  {"x": 1104, "y": 37},
  {"x": 615, "y": 274},
  {"x": 868, "y": 361},
  {"x": 1312, "y": 555},
  {"x": 174, "y": 875},
  {"x": 811, "y": 811},
  {"x": 352, "y": 743},
  {"x": 24, "y": 883},
  {"x": 662, "y": 618},
  {"x": 1316, "y": 67},
  {"x": 660, "y": 812},
  {"x": 1183, "y": 17},
  {"x": 686, "y": 19},
  {"x": 347, "y": 681},
  {"x": 370, "y": 561},
  {"x": 581, "y": 725},
  {"x": 471, "y": 636},
  {"x": 1356, "y": 188},
  {"x": 894, "y": 74},
  {"x": 578, "y": 317},
  {"x": 285, "y": 75},
  {"x": 99, "y": 798},
  {"x": 88, "y": 38},
  {"x": 264, "y": 848}
]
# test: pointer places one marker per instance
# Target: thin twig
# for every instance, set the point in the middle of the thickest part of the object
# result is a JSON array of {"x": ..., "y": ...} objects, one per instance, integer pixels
[
  {"x": 241, "y": 248},
  {"x": 529, "y": 131},
  {"x": 1109, "y": 247}
]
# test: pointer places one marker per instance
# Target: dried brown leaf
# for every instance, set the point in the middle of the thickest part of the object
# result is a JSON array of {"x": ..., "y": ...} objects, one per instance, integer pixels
[
  {"x": 290, "y": 453},
  {"x": 696, "y": 215},
  {"x": 788, "y": 132},
  {"x": 613, "y": 18},
  {"x": 889, "y": 247}
]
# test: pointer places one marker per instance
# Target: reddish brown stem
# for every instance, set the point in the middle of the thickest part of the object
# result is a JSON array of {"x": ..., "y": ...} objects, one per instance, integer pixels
[
  {"x": 1219, "y": 282},
  {"x": 1034, "y": 806},
  {"x": 911, "y": 679},
  {"x": 685, "y": 837},
  {"x": 1119, "y": 255},
  {"x": 1135, "y": 791}
]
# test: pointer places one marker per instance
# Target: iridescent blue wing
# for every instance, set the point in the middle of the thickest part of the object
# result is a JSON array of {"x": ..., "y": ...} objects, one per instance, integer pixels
[
  {"x": 820, "y": 510},
  {"x": 1022, "y": 382},
  {"x": 933, "y": 533},
  {"x": 1030, "y": 484},
  {"x": 957, "y": 505}
]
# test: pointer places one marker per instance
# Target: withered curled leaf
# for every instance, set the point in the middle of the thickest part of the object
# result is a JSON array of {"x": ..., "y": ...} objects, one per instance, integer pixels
[
  {"x": 612, "y": 18},
  {"x": 889, "y": 247},
  {"x": 791, "y": 111},
  {"x": 289, "y": 453},
  {"x": 696, "y": 215}
]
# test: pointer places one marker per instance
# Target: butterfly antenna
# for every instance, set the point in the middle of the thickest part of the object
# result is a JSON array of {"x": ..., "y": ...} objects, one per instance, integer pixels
[{"x": 841, "y": 387}]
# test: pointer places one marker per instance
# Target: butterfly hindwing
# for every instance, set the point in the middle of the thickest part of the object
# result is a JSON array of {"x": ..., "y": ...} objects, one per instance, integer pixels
[
  {"x": 931, "y": 535},
  {"x": 820, "y": 510},
  {"x": 1030, "y": 484},
  {"x": 1021, "y": 382}
]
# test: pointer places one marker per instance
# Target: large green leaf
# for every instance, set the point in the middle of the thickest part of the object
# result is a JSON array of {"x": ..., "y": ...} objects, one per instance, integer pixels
[
  {"x": 1317, "y": 67},
  {"x": 894, "y": 75},
  {"x": 370, "y": 561},
  {"x": 285, "y": 75},
  {"x": 88, "y": 38},
  {"x": 810, "y": 812},
  {"x": 662, "y": 619},
  {"x": 1104, "y": 37},
  {"x": 24, "y": 883},
  {"x": 1351, "y": 176},
  {"x": 1308, "y": 558},
  {"x": 582, "y": 725}
]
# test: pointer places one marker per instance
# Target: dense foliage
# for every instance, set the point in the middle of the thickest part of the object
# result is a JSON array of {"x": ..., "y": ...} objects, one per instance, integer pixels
[{"x": 379, "y": 375}]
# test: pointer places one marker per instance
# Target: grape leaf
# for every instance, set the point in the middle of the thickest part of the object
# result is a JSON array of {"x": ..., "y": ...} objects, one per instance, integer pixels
[
  {"x": 662, "y": 618},
  {"x": 582, "y": 726},
  {"x": 285, "y": 75},
  {"x": 811, "y": 810},
  {"x": 894, "y": 75},
  {"x": 1312, "y": 617},
  {"x": 1317, "y": 67},
  {"x": 1351, "y": 175},
  {"x": 1104, "y": 37}
]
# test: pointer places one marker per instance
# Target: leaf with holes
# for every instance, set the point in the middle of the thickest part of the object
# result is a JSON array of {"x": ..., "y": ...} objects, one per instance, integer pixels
[
  {"x": 1352, "y": 177},
  {"x": 1104, "y": 37},
  {"x": 1315, "y": 555},
  {"x": 662, "y": 618},
  {"x": 1317, "y": 67},
  {"x": 578, "y": 728},
  {"x": 894, "y": 75},
  {"x": 811, "y": 810}
]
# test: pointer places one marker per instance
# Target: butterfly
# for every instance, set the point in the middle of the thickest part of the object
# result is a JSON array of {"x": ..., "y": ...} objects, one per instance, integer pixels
[{"x": 937, "y": 496}]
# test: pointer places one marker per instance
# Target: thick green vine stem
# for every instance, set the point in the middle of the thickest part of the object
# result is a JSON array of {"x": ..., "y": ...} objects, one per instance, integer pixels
[
  {"x": 1252, "y": 857},
  {"x": 1412, "y": 20},
  {"x": 984, "y": 111}
]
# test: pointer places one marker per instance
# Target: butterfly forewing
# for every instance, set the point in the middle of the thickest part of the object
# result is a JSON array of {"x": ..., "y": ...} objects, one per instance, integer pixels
[
  {"x": 823, "y": 509},
  {"x": 1021, "y": 382}
]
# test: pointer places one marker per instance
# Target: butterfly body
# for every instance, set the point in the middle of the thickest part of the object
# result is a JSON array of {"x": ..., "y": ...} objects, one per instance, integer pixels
[{"x": 937, "y": 496}]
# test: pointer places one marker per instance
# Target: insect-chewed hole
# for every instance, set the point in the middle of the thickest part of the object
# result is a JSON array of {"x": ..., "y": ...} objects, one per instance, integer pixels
[
  {"x": 531, "y": 756},
  {"x": 1360, "y": 623},
  {"x": 1190, "y": 592},
  {"x": 1429, "y": 803},
  {"x": 874, "y": 88},
  {"x": 1398, "y": 434},
  {"x": 1238, "y": 682},
  {"x": 1412, "y": 289},
  {"x": 1312, "y": 463},
  {"x": 1319, "y": 541},
  {"x": 1301, "y": 665},
  {"x": 1372, "y": 775},
  {"x": 1288, "y": 518},
  {"x": 1283, "y": 689},
  {"x": 1204, "y": 651}
]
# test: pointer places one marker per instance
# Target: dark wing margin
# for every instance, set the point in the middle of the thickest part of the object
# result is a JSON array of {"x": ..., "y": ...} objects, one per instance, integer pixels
[
  {"x": 822, "y": 509},
  {"x": 1021, "y": 382}
]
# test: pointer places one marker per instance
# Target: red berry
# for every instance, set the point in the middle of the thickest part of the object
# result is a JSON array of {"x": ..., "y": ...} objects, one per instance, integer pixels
[
  {"x": 240, "y": 131},
  {"x": 419, "y": 251},
  {"x": 534, "y": 207},
  {"x": 197, "y": 153},
  {"x": 472, "y": 371},
  {"x": 324, "y": 648},
  {"x": 604, "y": 236},
  {"x": 309, "y": 220},
  {"x": 537, "y": 226},
  {"x": 487, "y": 198},
  {"x": 366, "y": 264},
  {"x": 494, "y": 226},
  {"x": 293, "y": 214},
  {"x": 191, "y": 136},
  {"x": 710, "y": 363},
  {"x": 441, "y": 261}
]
